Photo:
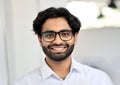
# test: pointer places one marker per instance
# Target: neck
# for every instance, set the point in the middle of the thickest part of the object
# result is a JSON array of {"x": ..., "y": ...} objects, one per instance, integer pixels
[{"x": 61, "y": 68}]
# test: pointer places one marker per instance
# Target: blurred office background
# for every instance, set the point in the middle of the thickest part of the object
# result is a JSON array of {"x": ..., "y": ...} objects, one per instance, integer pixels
[{"x": 98, "y": 44}]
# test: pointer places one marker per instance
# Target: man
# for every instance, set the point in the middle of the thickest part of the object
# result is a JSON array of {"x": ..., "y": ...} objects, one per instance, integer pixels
[{"x": 57, "y": 30}]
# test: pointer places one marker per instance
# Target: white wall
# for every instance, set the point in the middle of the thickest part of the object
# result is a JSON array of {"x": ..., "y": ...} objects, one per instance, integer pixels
[
  {"x": 23, "y": 56},
  {"x": 43, "y": 4},
  {"x": 3, "y": 52}
]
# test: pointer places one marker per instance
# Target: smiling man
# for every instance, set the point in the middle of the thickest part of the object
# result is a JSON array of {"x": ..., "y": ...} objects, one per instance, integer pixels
[{"x": 57, "y": 30}]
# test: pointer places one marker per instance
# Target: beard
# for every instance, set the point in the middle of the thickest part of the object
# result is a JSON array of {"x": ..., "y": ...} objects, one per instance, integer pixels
[{"x": 58, "y": 56}]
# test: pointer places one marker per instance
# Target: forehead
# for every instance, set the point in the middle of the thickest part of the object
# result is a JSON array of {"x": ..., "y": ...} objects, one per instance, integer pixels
[{"x": 55, "y": 24}]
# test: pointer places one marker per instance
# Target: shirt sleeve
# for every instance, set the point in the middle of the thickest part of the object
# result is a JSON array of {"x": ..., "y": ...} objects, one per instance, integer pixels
[{"x": 106, "y": 80}]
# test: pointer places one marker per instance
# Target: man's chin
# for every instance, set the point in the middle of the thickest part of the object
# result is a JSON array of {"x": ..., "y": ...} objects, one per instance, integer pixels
[{"x": 58, "y": 57}]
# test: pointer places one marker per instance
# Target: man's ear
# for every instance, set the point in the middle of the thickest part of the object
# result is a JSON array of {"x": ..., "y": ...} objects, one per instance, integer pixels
[
  {"x": 76, "y": 37},
  {"x": 40, "y": 40}
]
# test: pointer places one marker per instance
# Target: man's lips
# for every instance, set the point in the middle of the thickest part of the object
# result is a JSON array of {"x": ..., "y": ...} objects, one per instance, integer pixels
[{"x": 58, "y": 49}]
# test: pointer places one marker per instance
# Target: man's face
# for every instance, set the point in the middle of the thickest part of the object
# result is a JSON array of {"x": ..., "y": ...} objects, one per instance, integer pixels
[{"x": 57, "y": 49}]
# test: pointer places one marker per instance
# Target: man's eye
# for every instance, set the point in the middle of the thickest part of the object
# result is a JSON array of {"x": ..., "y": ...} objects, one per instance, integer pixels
[
  {"x": 49, "y": 35},
  {"x": 65, "y": 34}
]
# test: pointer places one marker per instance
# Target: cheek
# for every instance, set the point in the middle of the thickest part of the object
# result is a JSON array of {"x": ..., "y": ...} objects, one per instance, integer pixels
[
  {"x": 45, "y": 44},
  {"x": 42, "y": 43},
  {"x": 71, "y": 42}
]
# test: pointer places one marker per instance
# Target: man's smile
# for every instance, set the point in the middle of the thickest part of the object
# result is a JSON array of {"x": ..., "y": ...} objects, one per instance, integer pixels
[{"x": 58, "y": 49}]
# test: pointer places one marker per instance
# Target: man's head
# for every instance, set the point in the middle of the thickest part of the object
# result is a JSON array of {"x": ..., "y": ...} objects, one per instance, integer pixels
[{"x": 57, "y": 31}]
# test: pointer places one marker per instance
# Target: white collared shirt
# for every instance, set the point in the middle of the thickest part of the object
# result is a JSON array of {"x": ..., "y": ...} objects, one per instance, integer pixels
[{"x": 79, "y": 75}]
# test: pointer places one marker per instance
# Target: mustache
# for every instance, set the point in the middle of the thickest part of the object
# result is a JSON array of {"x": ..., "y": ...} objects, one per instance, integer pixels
[{"x": 65, "y": 45}]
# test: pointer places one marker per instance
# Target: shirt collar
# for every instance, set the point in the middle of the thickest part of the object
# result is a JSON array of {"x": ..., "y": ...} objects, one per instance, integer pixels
[
  {"x": 75, "y": 66},
  {"x": 46, "y": 71}
]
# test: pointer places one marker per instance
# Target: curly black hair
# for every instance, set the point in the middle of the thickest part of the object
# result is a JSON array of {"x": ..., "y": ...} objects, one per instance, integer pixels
[{"x": 52, "y": 12}]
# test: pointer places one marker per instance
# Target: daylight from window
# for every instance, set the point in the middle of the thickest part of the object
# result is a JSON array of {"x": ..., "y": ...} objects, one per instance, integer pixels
[{"x": 88, "y": 13}]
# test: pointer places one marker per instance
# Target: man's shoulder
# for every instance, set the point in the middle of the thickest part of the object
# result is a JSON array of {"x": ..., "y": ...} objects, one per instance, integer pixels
[
  {"x": 89, "y": 70},
  {"x": 94, "y": 74},
  {"x": 29, "y": 77}
]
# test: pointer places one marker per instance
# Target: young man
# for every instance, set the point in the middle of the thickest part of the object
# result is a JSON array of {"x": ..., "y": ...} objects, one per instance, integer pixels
[{"x": 57, "y": 30}]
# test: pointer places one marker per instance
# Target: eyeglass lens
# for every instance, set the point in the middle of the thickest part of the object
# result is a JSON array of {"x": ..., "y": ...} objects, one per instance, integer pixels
[{"x": 51, "y": 35}]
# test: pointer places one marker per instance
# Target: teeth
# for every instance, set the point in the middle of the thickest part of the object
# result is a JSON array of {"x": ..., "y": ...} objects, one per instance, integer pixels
[{"x": 58, "y": 48}]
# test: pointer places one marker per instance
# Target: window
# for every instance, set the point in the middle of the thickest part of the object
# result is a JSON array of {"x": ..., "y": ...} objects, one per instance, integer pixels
[{"x": 88, "y": 12}]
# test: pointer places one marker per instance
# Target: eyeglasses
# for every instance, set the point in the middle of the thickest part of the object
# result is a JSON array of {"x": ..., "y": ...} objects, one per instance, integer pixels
[{"x": 50, "y": 36}]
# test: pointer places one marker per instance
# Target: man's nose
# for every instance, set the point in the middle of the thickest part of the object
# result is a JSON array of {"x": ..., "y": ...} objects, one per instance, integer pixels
[{"x": 58, "y": 39}]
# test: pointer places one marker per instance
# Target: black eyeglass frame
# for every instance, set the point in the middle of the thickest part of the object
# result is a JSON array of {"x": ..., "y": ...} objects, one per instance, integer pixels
[{"x": 72, "y": 32}]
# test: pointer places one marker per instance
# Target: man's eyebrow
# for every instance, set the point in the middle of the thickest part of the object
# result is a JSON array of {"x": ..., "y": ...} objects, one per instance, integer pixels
[{"x": 64, "y": 30}]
